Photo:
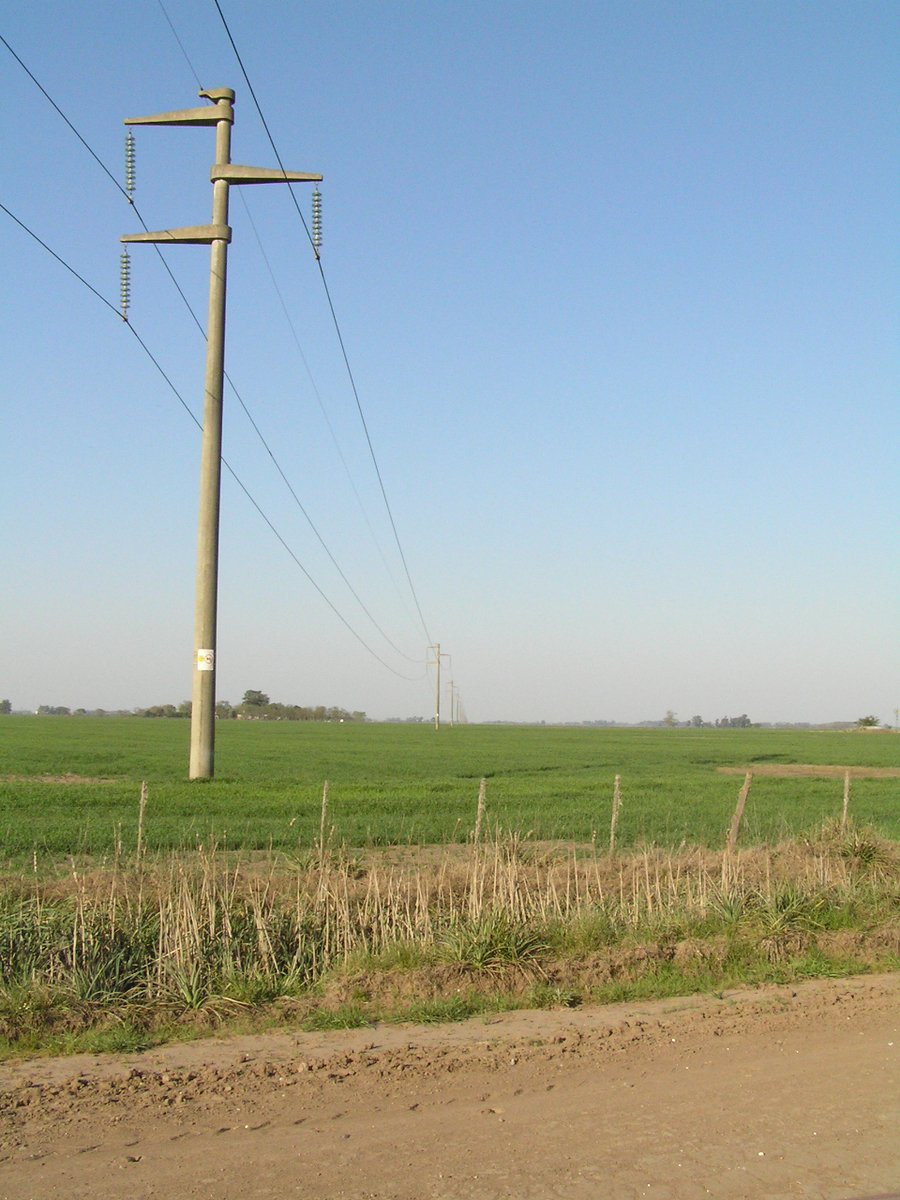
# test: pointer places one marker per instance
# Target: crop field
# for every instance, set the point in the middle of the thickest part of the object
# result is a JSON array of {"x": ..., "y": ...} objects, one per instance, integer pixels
[{"x": 70, "y": 786}]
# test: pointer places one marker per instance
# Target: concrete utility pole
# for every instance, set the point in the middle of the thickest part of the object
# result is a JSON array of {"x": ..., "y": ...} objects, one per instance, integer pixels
[
  {"x": 437, "y": 687},
  {"x": 217, "y": 236}
]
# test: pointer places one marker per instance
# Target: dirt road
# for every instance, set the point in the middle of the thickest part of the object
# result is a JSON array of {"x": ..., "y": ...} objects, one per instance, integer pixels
[{"x": 785, "y": 1092}]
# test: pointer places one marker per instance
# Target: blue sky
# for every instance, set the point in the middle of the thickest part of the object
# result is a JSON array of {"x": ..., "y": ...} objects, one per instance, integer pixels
[{"x": 618, "y": 287}]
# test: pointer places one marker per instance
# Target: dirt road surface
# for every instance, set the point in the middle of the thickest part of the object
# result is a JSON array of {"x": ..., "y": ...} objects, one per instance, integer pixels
[{"x": 783, "y": 1092}]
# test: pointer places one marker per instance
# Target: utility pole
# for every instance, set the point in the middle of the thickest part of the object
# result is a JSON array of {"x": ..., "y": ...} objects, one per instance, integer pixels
[
  {"x": 216, "y": 235},
  {"x": 437, "y": 687}
]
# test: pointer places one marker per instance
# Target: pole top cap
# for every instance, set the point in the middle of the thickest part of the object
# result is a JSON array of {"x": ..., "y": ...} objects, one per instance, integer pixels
[{"x": 217, "y": 94}]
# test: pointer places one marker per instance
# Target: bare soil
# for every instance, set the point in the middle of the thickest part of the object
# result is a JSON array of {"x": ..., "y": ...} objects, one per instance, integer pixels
[
  {"x": 68, "y": 778},
  {"x": 780, "y": 1092},
  {"x": 812, "y": 771}
]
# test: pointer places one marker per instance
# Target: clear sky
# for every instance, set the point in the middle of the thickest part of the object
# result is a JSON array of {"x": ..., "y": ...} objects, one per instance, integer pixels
[{"x": 617, "y": 282}]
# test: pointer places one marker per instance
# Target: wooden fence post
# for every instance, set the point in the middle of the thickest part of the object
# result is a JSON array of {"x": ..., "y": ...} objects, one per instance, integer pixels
[
  {"x": 846, "y": 801},
  {"x": 479, "y": 814},
  {"x": 738, "y": 813},
  {"x": 323, "y": 817},
  {"x": 140, "y": 830},
  {"x": 614, "y": 821}
]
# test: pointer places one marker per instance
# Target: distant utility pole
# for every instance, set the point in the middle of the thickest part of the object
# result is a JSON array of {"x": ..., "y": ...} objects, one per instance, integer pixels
[
  {"x": 217, "y": 235},
  {"x": 437, "y": 687}
]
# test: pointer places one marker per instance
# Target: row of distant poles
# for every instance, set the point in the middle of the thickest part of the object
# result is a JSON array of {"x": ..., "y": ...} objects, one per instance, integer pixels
[
  {"x": 455, "y": 703},
  {"x": 217, "y": 235}
]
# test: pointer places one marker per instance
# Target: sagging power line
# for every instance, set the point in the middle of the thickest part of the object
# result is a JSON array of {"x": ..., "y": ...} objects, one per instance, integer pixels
[
  {"x": 225, "y": 463},
  {"x": 337, "y": 327},
  {"x": 125, "y": 294},
  {"x": 315, "y": 238}
]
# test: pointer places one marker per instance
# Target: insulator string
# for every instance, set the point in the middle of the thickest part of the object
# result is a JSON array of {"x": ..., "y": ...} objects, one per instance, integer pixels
[
  {"x": 317, "y": 221},
  {"x": 125, "y": 283},
  {"x": 129, "y": 166}
]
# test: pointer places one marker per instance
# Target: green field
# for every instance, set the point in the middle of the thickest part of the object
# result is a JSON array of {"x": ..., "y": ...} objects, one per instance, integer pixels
[{"x": 405, "y": 783}]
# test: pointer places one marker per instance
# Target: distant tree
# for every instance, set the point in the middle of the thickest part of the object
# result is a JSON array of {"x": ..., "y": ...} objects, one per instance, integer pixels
[
  {"x": 670, "y": 720},
  {"x": 696, "y": 722},
  {"x": 184, "y": 708},
  {"x": 741, "y": 722},
  {"x": 254, "y": 699},
  {"x": 224, "y": 710},
  {"x": 5, "y": 708},
  {"x": 867, "y": 722}
]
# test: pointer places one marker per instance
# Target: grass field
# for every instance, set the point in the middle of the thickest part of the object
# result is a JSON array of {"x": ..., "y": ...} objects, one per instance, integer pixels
[{"x": 71, "y": 785}]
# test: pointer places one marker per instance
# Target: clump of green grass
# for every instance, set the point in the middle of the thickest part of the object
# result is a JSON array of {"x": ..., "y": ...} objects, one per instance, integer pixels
[
  {"x": 489, "y": 941},
  {"x": 348, "y": 1016},
  {"x": 433, "y": 1011},
  {"x": 861, "y": 847}
]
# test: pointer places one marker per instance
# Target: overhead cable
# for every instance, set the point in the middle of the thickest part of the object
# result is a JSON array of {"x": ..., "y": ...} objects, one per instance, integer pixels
[
  {"x": 225, "y": 463},
  {"x": 199, "y": 325},
  {"x": 333, "y": 317}
]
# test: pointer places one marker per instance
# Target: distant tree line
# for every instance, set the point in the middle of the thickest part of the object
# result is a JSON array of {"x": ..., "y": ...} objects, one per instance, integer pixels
[
  {"x": 741, "y": 722},
  {"x": 165, "y": 710},
  {"x": 62, "y": 710},
  {"x": 257, "y": 706},
  {"x": 670, "y": 721}
]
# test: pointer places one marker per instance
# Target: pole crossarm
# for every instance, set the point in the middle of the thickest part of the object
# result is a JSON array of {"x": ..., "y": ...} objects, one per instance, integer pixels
[
  {"x": 222, "y": 98},
  {"x": 193, "y": 235},
  {"x": 187, "y": 116},
  {"x": 232, "y": 173}
]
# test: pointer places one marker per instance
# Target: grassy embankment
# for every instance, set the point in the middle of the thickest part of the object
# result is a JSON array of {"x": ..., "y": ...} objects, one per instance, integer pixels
[{"x": 113, "y": 948}]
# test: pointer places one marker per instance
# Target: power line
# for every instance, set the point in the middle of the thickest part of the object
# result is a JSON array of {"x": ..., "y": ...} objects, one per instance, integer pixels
[
  {"x": 323, "y": 410},
  {"x": 334, "y": 319},
  {"x": 199, "y": 325},
  {"x": 296, "y": 339},
  {"x": 62, "y": 261},
  {"x": 44, "y": 92},
  {"x": 180, "y": 44},
  {"x": 291, "y": 326},
  {"x": 225, "y": 463},
  {"x": 318, "y": 535}
]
